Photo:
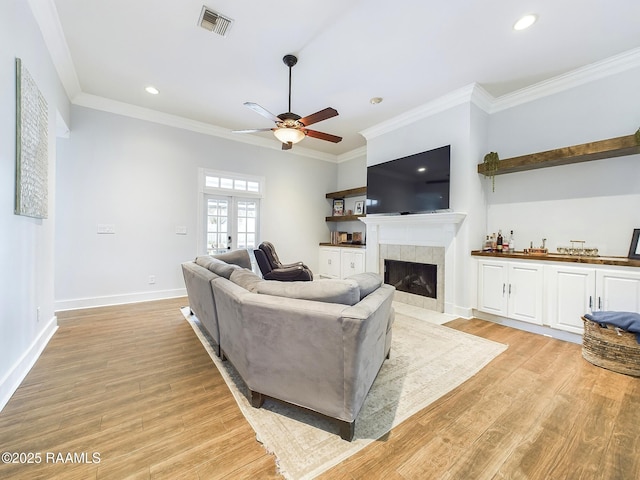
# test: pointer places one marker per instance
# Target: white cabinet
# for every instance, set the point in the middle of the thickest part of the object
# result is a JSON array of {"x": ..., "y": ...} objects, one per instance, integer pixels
[
  {"x": 340, "y": 262},
  {"x": 329, "y": 262},
  {"x": 617, "y": 291},
  {"x": 351, "y": 261},
  {"x": 511, "y": 289},
  {"x": 570, "y": 294},
  {"x": 574, "y": 291}
]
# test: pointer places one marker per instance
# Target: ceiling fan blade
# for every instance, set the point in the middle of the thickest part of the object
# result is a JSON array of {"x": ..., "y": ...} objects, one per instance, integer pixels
[
  {"x": 287, "y": 146},
  {"x": 253, "y": 130},
  {"x": 262, "y": 111},
  {"x": 323, "y": 136},
  {"x": 319, "y": 116}
]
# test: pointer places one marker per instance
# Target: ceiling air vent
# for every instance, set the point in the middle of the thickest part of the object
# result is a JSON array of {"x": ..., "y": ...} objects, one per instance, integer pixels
[{"x": 214, "y": 22}]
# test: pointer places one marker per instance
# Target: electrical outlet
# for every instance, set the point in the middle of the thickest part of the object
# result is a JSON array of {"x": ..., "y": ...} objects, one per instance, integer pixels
[
  {"x": 152, "y": 279},
  {"x": 106, "y": 228}
]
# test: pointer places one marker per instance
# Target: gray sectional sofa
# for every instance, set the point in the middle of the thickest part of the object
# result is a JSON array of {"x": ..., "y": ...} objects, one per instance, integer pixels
[{"x": 318, "y": 345}]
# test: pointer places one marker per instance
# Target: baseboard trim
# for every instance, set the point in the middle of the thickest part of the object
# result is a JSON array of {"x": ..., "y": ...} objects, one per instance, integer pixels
[
  {"x": 530, "y": 327},
  {"x": 78, "y": 303},
  {"x": 21, "y": 368}
]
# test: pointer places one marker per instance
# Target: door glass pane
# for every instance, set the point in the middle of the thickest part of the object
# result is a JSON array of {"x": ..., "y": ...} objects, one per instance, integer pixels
[
  {"x": 246, "y": 223},
  {"x": 217, "y": 232}
]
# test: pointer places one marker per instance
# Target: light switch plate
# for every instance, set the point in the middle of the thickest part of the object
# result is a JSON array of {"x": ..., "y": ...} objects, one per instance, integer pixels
[{"x": 106, "y": 228}]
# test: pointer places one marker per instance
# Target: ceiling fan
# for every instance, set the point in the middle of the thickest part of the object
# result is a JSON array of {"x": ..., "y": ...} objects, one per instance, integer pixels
[{"x": 291, "y": 128}]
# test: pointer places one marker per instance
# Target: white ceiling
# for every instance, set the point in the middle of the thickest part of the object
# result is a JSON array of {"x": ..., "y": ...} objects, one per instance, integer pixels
[{"x": 409, "y": 52}]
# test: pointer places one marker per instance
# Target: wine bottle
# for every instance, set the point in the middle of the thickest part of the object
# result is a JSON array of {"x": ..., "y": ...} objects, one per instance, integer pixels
[
  {"x": 512, "y": 247},
  {"x": 499, "y": 241}
]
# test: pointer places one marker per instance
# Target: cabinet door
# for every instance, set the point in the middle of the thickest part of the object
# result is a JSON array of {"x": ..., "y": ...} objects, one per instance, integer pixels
[
  {"x": 524, "y": 292},
  {"x": 617, "y": 291},
  {"x": 570, "y": 294},
  {"x": 492, "y": 287},
  {"x": 352, "y": 262},
  {"x": 329, "y": 262}
]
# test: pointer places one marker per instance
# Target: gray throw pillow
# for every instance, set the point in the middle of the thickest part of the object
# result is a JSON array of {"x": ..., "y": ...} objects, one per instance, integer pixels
[
  {"x": 246, "y": 279},
  {"x": 236, "y": 257},
  {"x": 367, "y": 282},
  {"x": 344, "y": 292},
  {"x": 216, "y": 266}
]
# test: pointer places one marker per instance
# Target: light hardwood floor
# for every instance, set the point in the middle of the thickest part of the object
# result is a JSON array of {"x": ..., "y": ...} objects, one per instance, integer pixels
[{"x": 134, "y": 385}]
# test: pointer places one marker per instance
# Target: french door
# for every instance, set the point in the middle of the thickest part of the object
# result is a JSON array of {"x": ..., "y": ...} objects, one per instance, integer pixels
[{"x": 231, "y": 223}]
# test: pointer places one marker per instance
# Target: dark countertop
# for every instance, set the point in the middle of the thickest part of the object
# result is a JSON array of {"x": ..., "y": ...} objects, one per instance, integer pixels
[{"x": 556, "y": 257}]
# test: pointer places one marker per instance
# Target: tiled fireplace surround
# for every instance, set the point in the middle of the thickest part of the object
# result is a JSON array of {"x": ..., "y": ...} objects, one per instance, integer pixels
[
  {"x": 417, "y": 254},
  {"x": 421, "y": 238}
]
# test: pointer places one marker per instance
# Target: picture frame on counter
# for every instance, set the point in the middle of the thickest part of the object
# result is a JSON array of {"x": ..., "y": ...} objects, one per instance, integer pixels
[{"x": 634, "y": 250}]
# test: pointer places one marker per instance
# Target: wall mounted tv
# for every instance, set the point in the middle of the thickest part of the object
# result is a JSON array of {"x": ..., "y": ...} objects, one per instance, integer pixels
[{"x": 418, "y": 183}]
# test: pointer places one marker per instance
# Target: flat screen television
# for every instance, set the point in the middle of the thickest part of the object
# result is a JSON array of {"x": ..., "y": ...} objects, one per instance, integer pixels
[{"x": 418, "y": 183}]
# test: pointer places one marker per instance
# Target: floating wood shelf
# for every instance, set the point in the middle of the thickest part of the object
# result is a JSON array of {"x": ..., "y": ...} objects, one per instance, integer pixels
[
  {"x": 352, "y": 192},
  {"x": 344, "y": 218},
  {"x": 613, "y": 147}
]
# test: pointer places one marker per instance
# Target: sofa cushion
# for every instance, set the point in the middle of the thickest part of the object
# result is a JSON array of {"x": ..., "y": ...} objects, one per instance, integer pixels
[
  {"x": 246, "y": 279},
  {"x": 345, "y": 292},
  {"x": 216, "y": 266},
  {"x": 367, "y": 282},
  {"x": 238, "y": 257}
]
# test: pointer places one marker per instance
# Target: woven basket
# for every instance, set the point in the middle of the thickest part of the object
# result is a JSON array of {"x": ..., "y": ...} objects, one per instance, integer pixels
[{"x": 611, "y": 348}]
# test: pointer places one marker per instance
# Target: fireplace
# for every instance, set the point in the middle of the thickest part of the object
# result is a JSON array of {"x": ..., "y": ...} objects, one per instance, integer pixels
[
  {"x": 421, "y": 238},
  {"x": 412, "y": 277},
  {"x": 415, "y": 260}
]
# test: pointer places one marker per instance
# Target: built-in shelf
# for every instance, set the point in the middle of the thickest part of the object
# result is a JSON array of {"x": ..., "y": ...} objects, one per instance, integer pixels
[
  {"x": 343, "y": 245},
  {"x": 344, "y": 218},
  {"x": 352, "y": 192},
  {"x": 610, "y": 148}
]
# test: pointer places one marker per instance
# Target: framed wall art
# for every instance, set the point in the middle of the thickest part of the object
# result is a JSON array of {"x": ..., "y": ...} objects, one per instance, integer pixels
[
  {"x": 338, "y": 207},
  {"x": 634, "y": 249},
  {"x": 32, "y": 124}
]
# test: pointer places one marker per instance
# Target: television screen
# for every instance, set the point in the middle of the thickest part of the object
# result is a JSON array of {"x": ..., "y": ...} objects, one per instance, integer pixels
[{"x": 415, "y": 184}]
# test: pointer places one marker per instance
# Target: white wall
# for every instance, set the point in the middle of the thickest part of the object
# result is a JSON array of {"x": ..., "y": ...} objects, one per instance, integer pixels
[
  {"x": 142, "y": 178},
  {"x": 27, "y": 316},
  {"x": 597, "y": 201}
]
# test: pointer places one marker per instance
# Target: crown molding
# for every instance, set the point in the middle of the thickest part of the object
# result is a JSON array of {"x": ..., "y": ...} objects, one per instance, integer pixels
[
  {"x": 474, "y": 93},
  {"x": 355, "y": 153},
  {"x": 440, "y": 104},
  {"x": 589, "y": 73},
  {"x": 46, "y": 16},
  {"x": 128, "y": 110}
]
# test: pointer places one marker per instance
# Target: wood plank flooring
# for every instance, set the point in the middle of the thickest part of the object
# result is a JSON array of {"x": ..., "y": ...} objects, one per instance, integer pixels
[{"x": 133, "y": 385}]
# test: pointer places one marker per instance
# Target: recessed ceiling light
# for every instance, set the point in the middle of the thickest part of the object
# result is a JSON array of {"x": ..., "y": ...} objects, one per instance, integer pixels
[
  {"x": 422, "y": 169},
  {"x": 375, "y": 100},
  {"x": 525, "y": 22},
  {"x": 152, "y": 90}
]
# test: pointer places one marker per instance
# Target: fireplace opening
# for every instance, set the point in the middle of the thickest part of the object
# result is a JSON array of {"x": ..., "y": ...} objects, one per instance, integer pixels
[{"x": 411, "y": 277}]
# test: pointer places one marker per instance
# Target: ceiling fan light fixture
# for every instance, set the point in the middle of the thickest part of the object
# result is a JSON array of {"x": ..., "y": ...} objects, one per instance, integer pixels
[{"x": 288, "y": 134}]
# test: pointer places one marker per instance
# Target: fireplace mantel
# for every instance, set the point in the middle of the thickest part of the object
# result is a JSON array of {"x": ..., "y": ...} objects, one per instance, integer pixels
[{"x": 438, "y": 218}]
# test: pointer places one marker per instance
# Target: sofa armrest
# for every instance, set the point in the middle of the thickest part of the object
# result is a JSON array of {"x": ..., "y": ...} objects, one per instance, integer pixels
[
  {"x": 197, "y": 279},
  {"x": 365, "y": 344}
]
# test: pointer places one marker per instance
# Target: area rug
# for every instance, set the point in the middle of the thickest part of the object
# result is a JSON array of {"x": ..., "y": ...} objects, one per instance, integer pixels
[{"x": 427, "y": 361}]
